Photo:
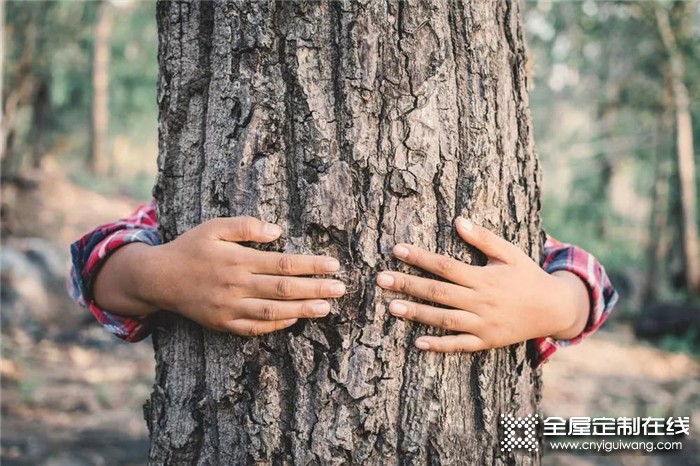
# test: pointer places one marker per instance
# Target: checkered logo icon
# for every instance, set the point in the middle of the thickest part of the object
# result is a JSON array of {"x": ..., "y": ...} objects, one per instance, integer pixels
[{"x": 519, "y": 432}]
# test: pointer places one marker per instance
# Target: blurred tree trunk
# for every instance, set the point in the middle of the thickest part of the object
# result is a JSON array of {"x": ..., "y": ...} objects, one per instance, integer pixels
[
  {"x": 15, "y": 96},
  {"x": 100, "y": 88},
  {"x": 41, "y": 109},
  {"x": 355, "y": 126},
  {"x": 658, "y": 220},
  {"x": 684, "y": 148}
]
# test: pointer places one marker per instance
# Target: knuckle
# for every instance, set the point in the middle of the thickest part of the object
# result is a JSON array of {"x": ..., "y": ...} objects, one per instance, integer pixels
[
  {"x": 285, "y": 264},
  {"x": 217, "y": 323},
  {"x": 254, "y": 330},
  {"x": 233, "y": 282},
  {"x": 219, "y": 301},
  {"x": 402, "y": 284},
  {"x": 306, "y": 310},
  {"x": 318, "y": 266},
  {"x": 436, "y": 291},
  {"x": 269, "y": 312},
  {"x": 284, "y": 288},
  {"x": 448, "y": 322},
  {"x": 323, "y": 289},
  {"x": 444, "y": 265},
  {"x": 487, "y": 343},
  {"x": 247, "y": 227}
]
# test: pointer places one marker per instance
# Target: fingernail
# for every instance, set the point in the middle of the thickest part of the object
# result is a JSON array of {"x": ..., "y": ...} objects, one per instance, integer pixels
[
  {"x": 331, "y": 265},
  {"x": 338, "y": 289},
  {"x": 397, "y": 308},
  {"x": 422, "y": 344},
  {"x": 321, "y": 309},
  {"x": 465, "y": 224},
  {"x": 385, "y": 280},
  {"x": 400, "y": 251},
  {"x": 271, "y": 230}
]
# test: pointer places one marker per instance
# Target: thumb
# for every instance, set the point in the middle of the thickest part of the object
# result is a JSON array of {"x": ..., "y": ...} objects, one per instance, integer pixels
[
  {"x": 484, "y": 240},
  {"x": 243, "y": 229}
]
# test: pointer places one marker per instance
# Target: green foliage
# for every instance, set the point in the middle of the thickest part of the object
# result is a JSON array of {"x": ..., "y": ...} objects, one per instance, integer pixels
[
  {"x": 134, "y": 73},
  {"x": 51, "y": 43},
  {"x": 688, "y": 343},
  {"x": 598, "y": 103}
]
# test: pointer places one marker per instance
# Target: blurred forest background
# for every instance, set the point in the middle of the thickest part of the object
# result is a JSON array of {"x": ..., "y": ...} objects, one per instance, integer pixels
[{"x": 614, "y": 98}]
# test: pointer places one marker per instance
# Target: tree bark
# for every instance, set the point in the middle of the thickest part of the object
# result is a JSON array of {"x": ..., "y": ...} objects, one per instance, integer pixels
[
  {"x": 354, "y": 126},
  {"x": 100, "y": 88}
]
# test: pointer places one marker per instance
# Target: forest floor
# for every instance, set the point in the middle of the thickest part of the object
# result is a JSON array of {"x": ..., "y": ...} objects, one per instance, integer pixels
[{"x": 75, "y": 395}]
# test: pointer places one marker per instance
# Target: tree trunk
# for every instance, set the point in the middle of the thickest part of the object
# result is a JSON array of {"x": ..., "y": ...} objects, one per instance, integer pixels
[
  {"x": 658, "y": 246},
  {"x": 354, "y": 126},
  {"x": 100, "y": 88},
  {"x": 41, "y": 111},
  {"x": 684, "y": 149},
  {"x": 15, "y": 97}
]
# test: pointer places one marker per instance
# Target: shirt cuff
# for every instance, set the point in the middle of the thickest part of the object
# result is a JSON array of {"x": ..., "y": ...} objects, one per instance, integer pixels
[
  {"x": 601, "y": 294},
  {"x": 128, "y": 328}
]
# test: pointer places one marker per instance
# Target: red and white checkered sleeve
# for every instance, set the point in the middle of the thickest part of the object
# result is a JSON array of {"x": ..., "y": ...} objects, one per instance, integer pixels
[
  {"x": 562, "y": 256},
  {"x": 91, "y": 251}
]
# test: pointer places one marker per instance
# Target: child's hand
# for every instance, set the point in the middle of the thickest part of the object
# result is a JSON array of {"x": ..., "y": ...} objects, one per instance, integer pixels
[
  {"x": 509, "y": 300},
  {"x": 206, "y": 276}
]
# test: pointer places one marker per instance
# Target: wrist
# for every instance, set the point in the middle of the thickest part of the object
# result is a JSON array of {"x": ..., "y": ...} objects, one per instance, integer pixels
[
  {"x": 117, "y": 283},
  {"x": 571, "y": 305},
  {"x": 150, "y": 283}
]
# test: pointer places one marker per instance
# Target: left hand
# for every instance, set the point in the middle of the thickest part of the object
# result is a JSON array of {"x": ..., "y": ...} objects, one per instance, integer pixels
[{"x": 509, "y": 300}]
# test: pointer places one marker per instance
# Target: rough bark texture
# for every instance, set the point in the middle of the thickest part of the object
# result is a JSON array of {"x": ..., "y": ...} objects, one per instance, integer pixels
[{"x": 355, "y": 126}]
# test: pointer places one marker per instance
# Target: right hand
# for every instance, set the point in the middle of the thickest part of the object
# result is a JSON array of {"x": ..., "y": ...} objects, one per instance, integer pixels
[{"x": 206, "y": 276}]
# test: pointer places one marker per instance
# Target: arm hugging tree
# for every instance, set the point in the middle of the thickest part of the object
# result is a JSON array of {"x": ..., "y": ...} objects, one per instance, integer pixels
[{"x": 355, "y": 126}]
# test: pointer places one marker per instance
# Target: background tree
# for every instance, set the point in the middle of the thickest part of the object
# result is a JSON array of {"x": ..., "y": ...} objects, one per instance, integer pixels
[
  {"x": 355, "y": 126},
  {"x": 612, "y": 159},
  {"x": 684, "y": 149},
  {"x": 48, "y": 85},
  {"x": 100, "y": 87}
]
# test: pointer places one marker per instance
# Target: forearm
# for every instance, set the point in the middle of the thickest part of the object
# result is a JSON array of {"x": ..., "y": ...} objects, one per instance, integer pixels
[
  {"x": 123, "y": 285},
  {"x": 573, "y": 306}
]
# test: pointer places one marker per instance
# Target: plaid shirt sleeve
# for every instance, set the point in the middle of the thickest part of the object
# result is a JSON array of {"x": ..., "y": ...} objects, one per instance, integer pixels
[
  {"x": 561, "y": 256},
  {"x": 91, "y": 251}
]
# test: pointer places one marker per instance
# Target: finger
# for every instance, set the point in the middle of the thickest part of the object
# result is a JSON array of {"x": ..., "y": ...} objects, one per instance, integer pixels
[
  {"x": 276, "y": 263},
  {"x": 464, "y": 342},
  {"x": 243, "y": 229},
  {"x": 268, "y": 309},
  {"x": 291, "y": 288},
  {"x": 444, "y": 266},
  {"x": 486, "y": 241},
  {"x": 424, "y": 288},
  {"x": 449, "y": 319},
  {"x": 251, "y": 328}
]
